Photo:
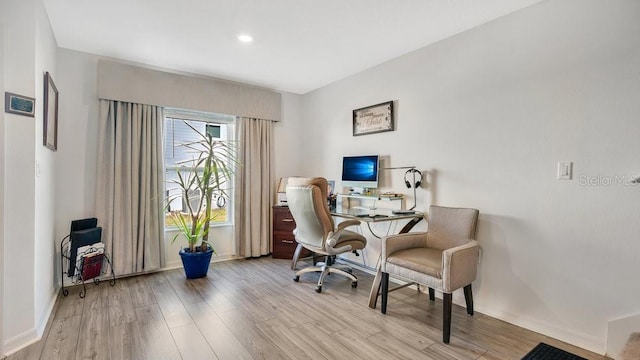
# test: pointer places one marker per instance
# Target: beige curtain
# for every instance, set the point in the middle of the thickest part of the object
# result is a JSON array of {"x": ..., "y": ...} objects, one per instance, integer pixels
[
  {"x": 254, "y": 188},
  {"x": 130, "y": 185}
]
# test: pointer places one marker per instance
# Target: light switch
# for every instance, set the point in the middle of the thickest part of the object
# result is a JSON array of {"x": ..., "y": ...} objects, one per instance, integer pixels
[{"x": 564, "y": 170}]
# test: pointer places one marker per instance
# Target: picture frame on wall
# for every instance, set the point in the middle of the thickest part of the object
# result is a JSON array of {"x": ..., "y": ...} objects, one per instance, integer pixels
[
  {"x": 19, "y": 104},
  {"x": 373, "y": 119},
  {"x": 50, "y": 130}
]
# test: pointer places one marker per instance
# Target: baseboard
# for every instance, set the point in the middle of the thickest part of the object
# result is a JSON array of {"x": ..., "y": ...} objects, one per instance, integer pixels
[
  {"x": 570, "y": 336},
  {"x": 45, "y": 320},
  {"x": 172, "y": 265},
  {"x": 20, "y": 341},
  {"x": 169, "y": 265},
  {"x": 32, "y": 336},
  {"x": 176, "y": 264}
]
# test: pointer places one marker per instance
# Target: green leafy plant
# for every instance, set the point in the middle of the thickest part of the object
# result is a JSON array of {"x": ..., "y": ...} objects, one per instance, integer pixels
[{"x": 206, "y": 175}]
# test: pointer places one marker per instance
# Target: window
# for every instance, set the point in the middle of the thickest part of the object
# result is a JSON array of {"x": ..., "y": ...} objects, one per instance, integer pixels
[{"x": 177, "y": 132}]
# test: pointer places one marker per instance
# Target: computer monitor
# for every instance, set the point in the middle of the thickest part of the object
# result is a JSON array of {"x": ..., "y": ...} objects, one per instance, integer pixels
[{"x": 360, "y": 171}]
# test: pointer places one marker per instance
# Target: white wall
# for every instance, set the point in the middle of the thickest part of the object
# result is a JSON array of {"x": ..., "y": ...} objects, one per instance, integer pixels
[
  {"x": 288, "y": 134},
  {"x": 45, "y": 289},
  {"x": 19, "y": 147},
  {"x": 29, "y": 48},
  {"x": 2, "y": 172},
  {"x": 488, "y": 113},
  {"x": 76, "y": 158}
]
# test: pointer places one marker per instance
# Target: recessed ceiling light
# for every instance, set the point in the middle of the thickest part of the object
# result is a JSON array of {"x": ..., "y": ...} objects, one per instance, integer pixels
[{"x": 245, "y": 38}]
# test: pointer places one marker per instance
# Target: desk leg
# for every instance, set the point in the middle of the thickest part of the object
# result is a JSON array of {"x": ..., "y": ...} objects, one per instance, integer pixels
[{"x": 375, "y": 287}]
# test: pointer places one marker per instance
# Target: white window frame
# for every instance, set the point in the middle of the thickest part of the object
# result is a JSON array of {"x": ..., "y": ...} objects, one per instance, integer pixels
[{"x": 211, "y": 118}]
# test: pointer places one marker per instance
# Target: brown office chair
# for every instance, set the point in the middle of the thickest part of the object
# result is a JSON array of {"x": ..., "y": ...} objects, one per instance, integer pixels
[
  {"x": 444, "y": 258},
  {"x": 315, "y": 230}
]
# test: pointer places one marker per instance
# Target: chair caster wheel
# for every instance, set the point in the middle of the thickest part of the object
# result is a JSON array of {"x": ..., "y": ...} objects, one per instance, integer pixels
[
  {"x": 318, "y": 289},
  {"x": 296, "y": 278},
  {"x": 354, "y": 284}
]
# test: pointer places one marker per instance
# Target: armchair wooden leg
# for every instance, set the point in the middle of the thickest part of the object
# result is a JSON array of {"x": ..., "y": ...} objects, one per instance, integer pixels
[
  {"x": 432, "y": 294},
  {"x": 385, "y": 292},
  {"x": 468, "y": 297},
  {"x": 446, "y": 318}
]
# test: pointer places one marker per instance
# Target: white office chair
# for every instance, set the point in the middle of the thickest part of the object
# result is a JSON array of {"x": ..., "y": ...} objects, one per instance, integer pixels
[{"x": 316, "y": 231}]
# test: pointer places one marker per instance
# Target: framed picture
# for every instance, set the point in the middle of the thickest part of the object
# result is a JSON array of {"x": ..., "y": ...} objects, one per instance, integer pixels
[
  {"x": 18, "y": 104},
  {"x": 50, "y": 138},
  {"x": 373, "y": 119}
]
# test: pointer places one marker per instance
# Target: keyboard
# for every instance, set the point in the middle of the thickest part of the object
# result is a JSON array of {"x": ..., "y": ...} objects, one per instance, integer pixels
[
  {"x": 371, "y": 216},
  {"x": 404, "y": 212}
]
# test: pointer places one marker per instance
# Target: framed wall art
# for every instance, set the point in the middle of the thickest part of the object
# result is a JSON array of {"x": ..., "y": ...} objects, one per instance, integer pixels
[
  {"x": 50, "y": 131},
  {"x": 373, "y": 119},
  {"x": 18, "y": 104}
]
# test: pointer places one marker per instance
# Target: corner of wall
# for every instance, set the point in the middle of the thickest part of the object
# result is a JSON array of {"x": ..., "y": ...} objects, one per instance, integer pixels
[
  {"x": 20, "y": 341},
  {"x": 618, "y": 331},
  {"x": 2, "y": 11},
  {"x": 47, "y": 316}
]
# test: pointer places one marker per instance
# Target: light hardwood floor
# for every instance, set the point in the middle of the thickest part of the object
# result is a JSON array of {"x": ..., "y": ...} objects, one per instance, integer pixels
[{"x": 251, "y": 309}]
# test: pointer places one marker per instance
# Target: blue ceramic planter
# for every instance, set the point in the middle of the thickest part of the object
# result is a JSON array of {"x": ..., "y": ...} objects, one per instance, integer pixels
[{"x": 196, "y": 264}]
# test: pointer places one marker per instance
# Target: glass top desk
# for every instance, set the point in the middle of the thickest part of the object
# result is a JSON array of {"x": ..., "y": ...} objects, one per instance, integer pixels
[
  {"x": 414, "y": 219},
  {"x": 378, "y": 217}
]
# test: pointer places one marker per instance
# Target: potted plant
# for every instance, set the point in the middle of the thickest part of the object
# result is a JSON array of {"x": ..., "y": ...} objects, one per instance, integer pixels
[{"x": 207, "y": 175}]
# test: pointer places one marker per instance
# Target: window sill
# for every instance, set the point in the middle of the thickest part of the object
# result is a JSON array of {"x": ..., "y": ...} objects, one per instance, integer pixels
[{"x": 175, "y": 228}]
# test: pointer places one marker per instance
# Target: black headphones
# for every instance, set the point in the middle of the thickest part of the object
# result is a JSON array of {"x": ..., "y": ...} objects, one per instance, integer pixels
[{"x": 413, "y": 172}]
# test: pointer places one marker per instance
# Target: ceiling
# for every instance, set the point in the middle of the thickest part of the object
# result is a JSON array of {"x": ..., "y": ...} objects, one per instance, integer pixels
[{"x": 299, "y": 45}]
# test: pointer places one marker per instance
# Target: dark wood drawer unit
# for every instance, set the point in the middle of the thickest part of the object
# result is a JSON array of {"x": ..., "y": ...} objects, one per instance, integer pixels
[
  {"x": 282, "y": 219},
  {"x": 284, "y": 244}
]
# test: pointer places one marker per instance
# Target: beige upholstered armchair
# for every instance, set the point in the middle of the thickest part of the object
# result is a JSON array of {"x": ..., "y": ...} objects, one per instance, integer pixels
[
  {"x": 443, "y": 258},
  {"x": 315, "y": 230}
]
